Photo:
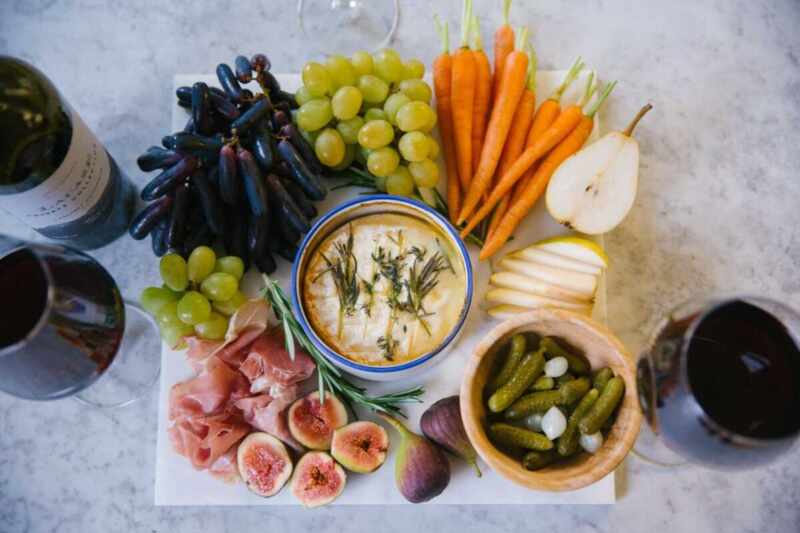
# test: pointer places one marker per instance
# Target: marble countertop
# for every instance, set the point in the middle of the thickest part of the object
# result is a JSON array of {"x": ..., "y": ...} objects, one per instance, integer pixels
[{"x": 717, "y": 210}]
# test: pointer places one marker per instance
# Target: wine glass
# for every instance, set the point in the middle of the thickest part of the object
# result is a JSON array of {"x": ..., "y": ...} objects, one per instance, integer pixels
[
  {"x": 346, "y": 26},
  {"x": 66, "y": 331},
  {"x": 719, "y": 384}
]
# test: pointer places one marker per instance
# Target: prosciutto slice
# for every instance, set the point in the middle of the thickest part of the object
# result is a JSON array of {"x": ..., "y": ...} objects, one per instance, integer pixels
[
  {"x": 268, "y": 363},
  {"x": 208, "y": 393},
  {"x": 204, "y": 439},
  {"x": 200, "y": 350},
  {"x": 267, "y": 412},
  {"x": 225, "y": 467}
]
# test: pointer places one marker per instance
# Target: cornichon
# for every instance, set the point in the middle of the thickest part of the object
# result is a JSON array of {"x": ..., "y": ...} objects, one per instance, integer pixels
[
  {"x": 568, "y": 441},
  {"x": 535, "y": 402},
  {"x": 515, "y": 436},
  {"x": 572, "y": 391},
  {"x": 515, "y": 353},
  {"x": 564, "y": 378},
  {"x": 577, "y": 363},
  {"x": 603, "y": 407},
  {"x": 528, "y": 370},
  {"x": 534, "y": 460},
  {"x": 601, "y": 377},
  {"x": 543, "y": 383}
]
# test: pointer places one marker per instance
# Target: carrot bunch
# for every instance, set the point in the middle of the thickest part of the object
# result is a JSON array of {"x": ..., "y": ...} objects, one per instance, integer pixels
[{"x": 500, "y": 150}]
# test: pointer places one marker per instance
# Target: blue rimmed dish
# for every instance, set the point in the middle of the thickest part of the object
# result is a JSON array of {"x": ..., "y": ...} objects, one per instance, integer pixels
[{"x": 335, "y": 219}]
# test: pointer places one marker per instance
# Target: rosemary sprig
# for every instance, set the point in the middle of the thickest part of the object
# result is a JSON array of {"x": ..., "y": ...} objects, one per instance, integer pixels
[
  {"x": 388, "y": 345},
  {"x": 421, "y": 282},
  {"x": 329, "y": 377},
  {"x": 343, "y": 268}
]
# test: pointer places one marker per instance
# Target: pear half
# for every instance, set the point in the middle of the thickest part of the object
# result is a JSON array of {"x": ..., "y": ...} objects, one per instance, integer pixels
[{"x": 594, "y": 189}]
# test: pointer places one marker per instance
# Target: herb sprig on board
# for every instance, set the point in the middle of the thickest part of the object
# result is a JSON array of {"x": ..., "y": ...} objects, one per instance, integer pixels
[
  {"x": 343, "y": 268},
  {"x": 329, "y": 377}
]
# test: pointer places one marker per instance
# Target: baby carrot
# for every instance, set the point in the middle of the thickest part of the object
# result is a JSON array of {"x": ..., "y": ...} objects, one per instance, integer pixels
[
  {"x": 483, "y": 89},
  {"x": 442, "y": 72},
  {"x": 571, "y": 144},
  {"x": 462, "y": 91},
  {"x": 511, "y": 89},
  {"x": 503, "y": 45}
]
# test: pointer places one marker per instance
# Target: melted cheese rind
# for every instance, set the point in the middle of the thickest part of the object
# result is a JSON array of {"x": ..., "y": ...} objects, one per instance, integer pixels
[{"x": 358, "y": 338}]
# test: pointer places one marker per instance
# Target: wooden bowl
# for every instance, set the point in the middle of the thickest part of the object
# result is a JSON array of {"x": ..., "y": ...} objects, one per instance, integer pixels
[{"x": 601, "y": 348}]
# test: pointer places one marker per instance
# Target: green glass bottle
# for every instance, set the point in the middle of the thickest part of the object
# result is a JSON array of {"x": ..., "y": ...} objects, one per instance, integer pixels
[{"x": 55, "y": 176}]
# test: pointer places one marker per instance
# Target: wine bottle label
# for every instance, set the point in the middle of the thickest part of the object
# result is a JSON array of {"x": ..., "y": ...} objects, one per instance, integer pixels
[{"x": 74, "y": 188}]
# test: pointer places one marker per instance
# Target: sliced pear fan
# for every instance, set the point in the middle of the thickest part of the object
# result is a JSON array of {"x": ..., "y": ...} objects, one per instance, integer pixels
[
  {"x": 532, "y": 301},
  {"x": 537, "y": 255},
  {"x": 576, "y": 248},
  {"x": 504, "y": 311},
  {"x": 585, "y": 284},
  {"x": 519, "y": 282}
]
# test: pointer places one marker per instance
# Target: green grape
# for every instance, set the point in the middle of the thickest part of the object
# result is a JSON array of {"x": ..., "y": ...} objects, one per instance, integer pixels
[
  {"x": 229, "y": 306},
  {"x": 168, "y": 314},
  {"x": 309, "y": 136},
  {"x": 230, "y": 264},
  {"x": 341, "y": 71},
  {"x": 388, "y": 65},
  {"x": 432, "y": 119},
  {"x": 349, "y": 156},
  {"x": 425, "y": 173},
  {"x": 362, "y": 63},
  {"x": 374, "y": 89},
  {"x": 348, "y": 129},
  {"x": 375, "y": 134},
  {"x": 329, "y": 147},
  {"x": 362, "y": 154},
  {"x": 433, "y": 150},
  {"x": 173, "y": 271},
  {"x": 400, "y": 182},
  {"x": 416, "y": 90},
  {"x": 219, "y": 286},
  {"x": 383, "y": 161},
  {"x": 392, "y": 104},
  {"x": 201, "y": 263},
  {"x": 380, "y": 183},
  {"x": 346, "y": 102},
  {"x": 414, "y": 146},
  {"x": 315, "y": 114},
  {"x": 317, "y": 79},
  {"x": 302, "y": 95},
  {"x": 374, "y": 113},
  {"x": 173, "y": 334},
  {"x": 413, "y": 116},
  {"x": 193, "y": 308},
  {"x": 153, "y": 298},
  {"x": 413, "y": 68},
  {"x": 213, "y": 329}
]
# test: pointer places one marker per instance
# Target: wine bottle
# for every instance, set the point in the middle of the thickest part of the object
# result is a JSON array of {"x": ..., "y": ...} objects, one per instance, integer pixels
[{"x": 55, "y": 176}]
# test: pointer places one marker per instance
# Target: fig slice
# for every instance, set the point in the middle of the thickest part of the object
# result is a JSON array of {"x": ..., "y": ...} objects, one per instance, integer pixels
[
  {"x": 312, "y": 422},
  {"x": 317, "y": 479},
  {"x": 264, "y": 463},
  {"x": 360, "y": 446}
]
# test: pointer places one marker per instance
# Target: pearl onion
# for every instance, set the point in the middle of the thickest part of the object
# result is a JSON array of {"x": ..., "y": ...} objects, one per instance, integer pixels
[
  {"x": 554, "y": 423},
  {"x": 591, "y": 443},
  {"x": 533, "y": 421},
  {"x": 556, "y": 367}
]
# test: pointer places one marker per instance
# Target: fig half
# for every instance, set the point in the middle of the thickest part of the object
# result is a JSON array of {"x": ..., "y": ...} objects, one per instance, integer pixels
[
  {"x": 317, "y": 479},
  {"x": 360, "y": 446},
  {"x": 264, "y": 463},
  {"x": 312, "y": 422}
]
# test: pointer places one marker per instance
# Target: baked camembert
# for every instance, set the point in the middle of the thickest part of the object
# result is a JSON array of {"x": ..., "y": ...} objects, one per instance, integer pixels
[{"x": 384, "y": 289}]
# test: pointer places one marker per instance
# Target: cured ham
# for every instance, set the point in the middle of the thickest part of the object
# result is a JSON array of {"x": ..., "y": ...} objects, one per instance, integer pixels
[
  {"x": 225, "y": 467},
  {"x": 268, "y": 363},
  {"x": 200, "y": 350},
  {"x": 204, "y": 439},
  {"x": 267, "y": 412},
  {"x": 210, "y": 392}
]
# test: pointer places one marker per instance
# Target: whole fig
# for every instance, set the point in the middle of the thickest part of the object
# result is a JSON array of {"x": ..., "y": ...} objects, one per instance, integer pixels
[
  {"x": 442, "y": 423},
  {"x": 421, "y": 469}
]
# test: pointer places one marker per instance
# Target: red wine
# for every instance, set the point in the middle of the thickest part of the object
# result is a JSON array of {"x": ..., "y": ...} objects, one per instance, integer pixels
[
  {"x": 744, "y": 371},
  {"x": 22, "y": 269}
]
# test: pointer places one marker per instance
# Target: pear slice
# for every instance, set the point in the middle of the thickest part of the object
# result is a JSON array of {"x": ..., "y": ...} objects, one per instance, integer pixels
[
  {"x": 537, "y": 255},
  {"x": 582, "y": 283},
  {"x": 512, "y": 280},
  {"x": 594, "y": 189},
  {"x": 504, "y": 311},
  {"x": 532, "y": 301},
  {"x": 577, "y": 248}
]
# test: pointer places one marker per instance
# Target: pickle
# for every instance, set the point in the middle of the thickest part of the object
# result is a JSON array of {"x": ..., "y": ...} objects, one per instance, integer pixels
[
  {"x": 568, "y": 441},
  {"x": 543, "y": 383},
  {"x": 524, "y": 438},
  {"x": 528, "y": 370},
  {"x": 534, "y": 460},
  {"x": 603, "y": 407},
  {"x": 577, "y": 363},
  {"x": 515, "y": 353},
  {"x": 564, "y": 378},
  {"x": 535, "y": 402},
  {"x": 574, "y": 390},
  {"x": 601, "y": 377}
]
